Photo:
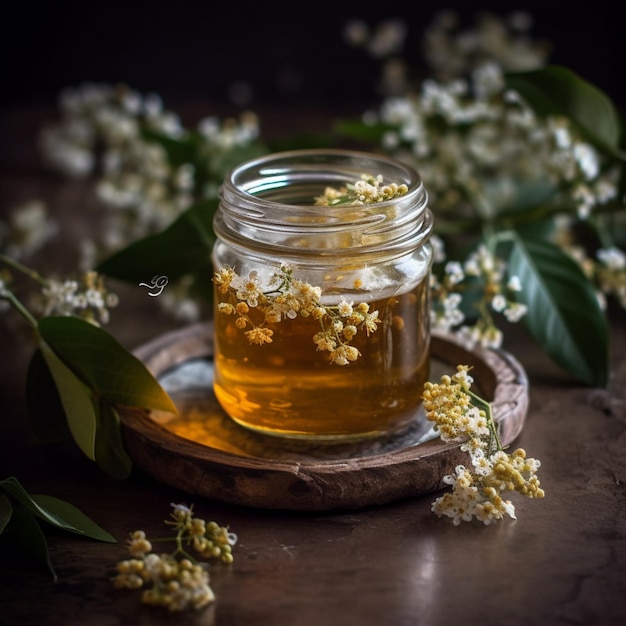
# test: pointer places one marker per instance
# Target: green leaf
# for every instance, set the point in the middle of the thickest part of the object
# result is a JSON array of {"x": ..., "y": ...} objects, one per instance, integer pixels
[
  {"x": 54, "y": 511},
  {"x": 77, "y": 402},
  {"x": 14, "y": 488},
  {"x": 6, "y": 511},
  {"x": 524, "y": 196},
  {"x": 103, "y": 364},
  {"x": 178, "y": 250},
  {"x": 74, "y": 519},
  {"x": 45, "y": 408},
  {"x": 24, "y": 534},
  {"x": 110, "y": 453},
  {"x": 556, "y": 90},
  {"x": 563, "y": 314}
]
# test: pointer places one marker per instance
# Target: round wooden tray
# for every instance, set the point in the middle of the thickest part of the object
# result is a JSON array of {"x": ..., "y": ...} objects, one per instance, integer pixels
[{"x": 204, "y": 453}]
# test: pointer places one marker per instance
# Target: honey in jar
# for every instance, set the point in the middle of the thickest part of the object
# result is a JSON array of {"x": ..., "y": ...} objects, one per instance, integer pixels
[{"x": 321, "y": 310}]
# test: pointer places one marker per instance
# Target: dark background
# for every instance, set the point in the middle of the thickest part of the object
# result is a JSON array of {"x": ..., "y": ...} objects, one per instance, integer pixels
[{"x": 290, "y": 54}]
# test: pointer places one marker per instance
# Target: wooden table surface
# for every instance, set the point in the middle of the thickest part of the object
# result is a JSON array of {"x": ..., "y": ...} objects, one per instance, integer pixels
[{"x": 562, "y": 562}]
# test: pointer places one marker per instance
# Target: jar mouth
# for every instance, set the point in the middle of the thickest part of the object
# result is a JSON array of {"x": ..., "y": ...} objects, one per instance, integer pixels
[{"x": 271, "y": 200}]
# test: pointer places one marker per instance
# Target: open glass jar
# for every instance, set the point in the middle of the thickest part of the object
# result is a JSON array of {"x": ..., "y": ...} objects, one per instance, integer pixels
[{"x": 321, "y": 312}]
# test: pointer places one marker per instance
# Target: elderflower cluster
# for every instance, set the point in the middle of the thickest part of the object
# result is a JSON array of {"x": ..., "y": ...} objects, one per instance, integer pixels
[
  {"x": 452, "y": 51},
  {"x": 287, "y": 298},
  {"x": 482, "y": 276},
  {"x": 148, "y": 167},
  {"x": 477, "y": 144},
  {"x": 87, "y": 298},
  {"x": 477, "y": 492},
  {"x": 607, "y": 271},
  {"x": 368, "y": 190},
  {"x": 27, "y": 228},
  {"x": 175, "y": 580}
]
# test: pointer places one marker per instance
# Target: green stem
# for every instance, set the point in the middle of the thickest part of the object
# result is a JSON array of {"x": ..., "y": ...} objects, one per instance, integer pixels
[
  {"x": 19, "y": 307},
  {"x": 486, "y": 406},
  {"x": 180, "y": 549},
  {"x": 16, "y": 265}
]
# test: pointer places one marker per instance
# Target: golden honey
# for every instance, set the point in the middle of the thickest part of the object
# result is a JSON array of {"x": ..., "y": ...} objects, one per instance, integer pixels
[
  {"x": 376, "y": 254},
  {"x": 289, "y": 387}
]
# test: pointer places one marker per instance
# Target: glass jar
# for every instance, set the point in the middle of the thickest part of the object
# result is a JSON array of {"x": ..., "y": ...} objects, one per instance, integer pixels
[{"x": 321, "y": 312}]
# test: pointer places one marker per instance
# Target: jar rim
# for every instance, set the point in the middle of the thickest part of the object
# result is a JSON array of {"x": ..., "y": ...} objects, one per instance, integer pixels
[
  {"x": 269, "y": 202},
  {"x": 277, "y": 169}
]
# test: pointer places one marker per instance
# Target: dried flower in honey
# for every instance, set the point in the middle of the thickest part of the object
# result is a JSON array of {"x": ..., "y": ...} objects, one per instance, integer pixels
[{"x": 286, "y": 298}]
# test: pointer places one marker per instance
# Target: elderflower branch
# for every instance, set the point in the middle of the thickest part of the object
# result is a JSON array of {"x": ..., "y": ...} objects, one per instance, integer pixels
[
  {"x": 176, "y": 580},
  {"x": 85, "y": 297},
  {"x": 244, "y": 298},
  {"x": 20, "y": 267},
  {"x": 461, "y": 415}
]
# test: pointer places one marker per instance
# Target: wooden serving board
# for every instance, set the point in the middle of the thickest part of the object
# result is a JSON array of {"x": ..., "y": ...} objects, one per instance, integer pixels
[{"x": 204, "y": 453}]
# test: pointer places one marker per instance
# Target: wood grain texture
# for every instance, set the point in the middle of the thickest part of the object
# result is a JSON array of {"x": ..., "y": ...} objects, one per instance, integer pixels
[{"x": 240, "y": 467}]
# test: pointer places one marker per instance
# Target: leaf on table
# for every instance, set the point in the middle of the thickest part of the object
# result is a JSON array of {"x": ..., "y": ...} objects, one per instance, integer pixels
[
  {"x": 25, "y": 535},
  {"x": 77, "y": 402},
  {"x": 74, "y": 519},
  {"x": 563, "y": 312},
  {"x": 180, "y": 249},
  {"x": 14, "y": 488},
  {"x": 111, "y": 455},
  {"x": 556, "y": 90},
  {"x": 103, "y": 364},
  {"x": 54, "y": 511},
  {"x": 6, "y": 510},
  {"x": 45, "y": 408}
]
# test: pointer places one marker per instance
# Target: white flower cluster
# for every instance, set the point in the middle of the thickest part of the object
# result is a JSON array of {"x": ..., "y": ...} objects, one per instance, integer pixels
[
  {"x": 487, "y": 273},
  {"x": 122, "y": 137},
  {"x": 102, "y": 113},
  {"x": 459, "y": 415},
  {"x": 451, "y": 51},
  {"x": 483, "y": 153},
  {"x": 86, "y": 298},
  {"x": 607, "y": 270},
  {"x": 27, "y": 228},
  {"x": 475, "y": 143}
]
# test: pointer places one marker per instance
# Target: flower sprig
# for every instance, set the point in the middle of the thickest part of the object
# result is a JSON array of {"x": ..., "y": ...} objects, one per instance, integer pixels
[
  {"x": 477, "y": 492},
  {"x": 287, "y": 298},
  {"x": 482, "y": 276},
  {"x": 84, "y": 295},
  {"x": 368, "y": 190},
  {"x": 176, "y": 580}
]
